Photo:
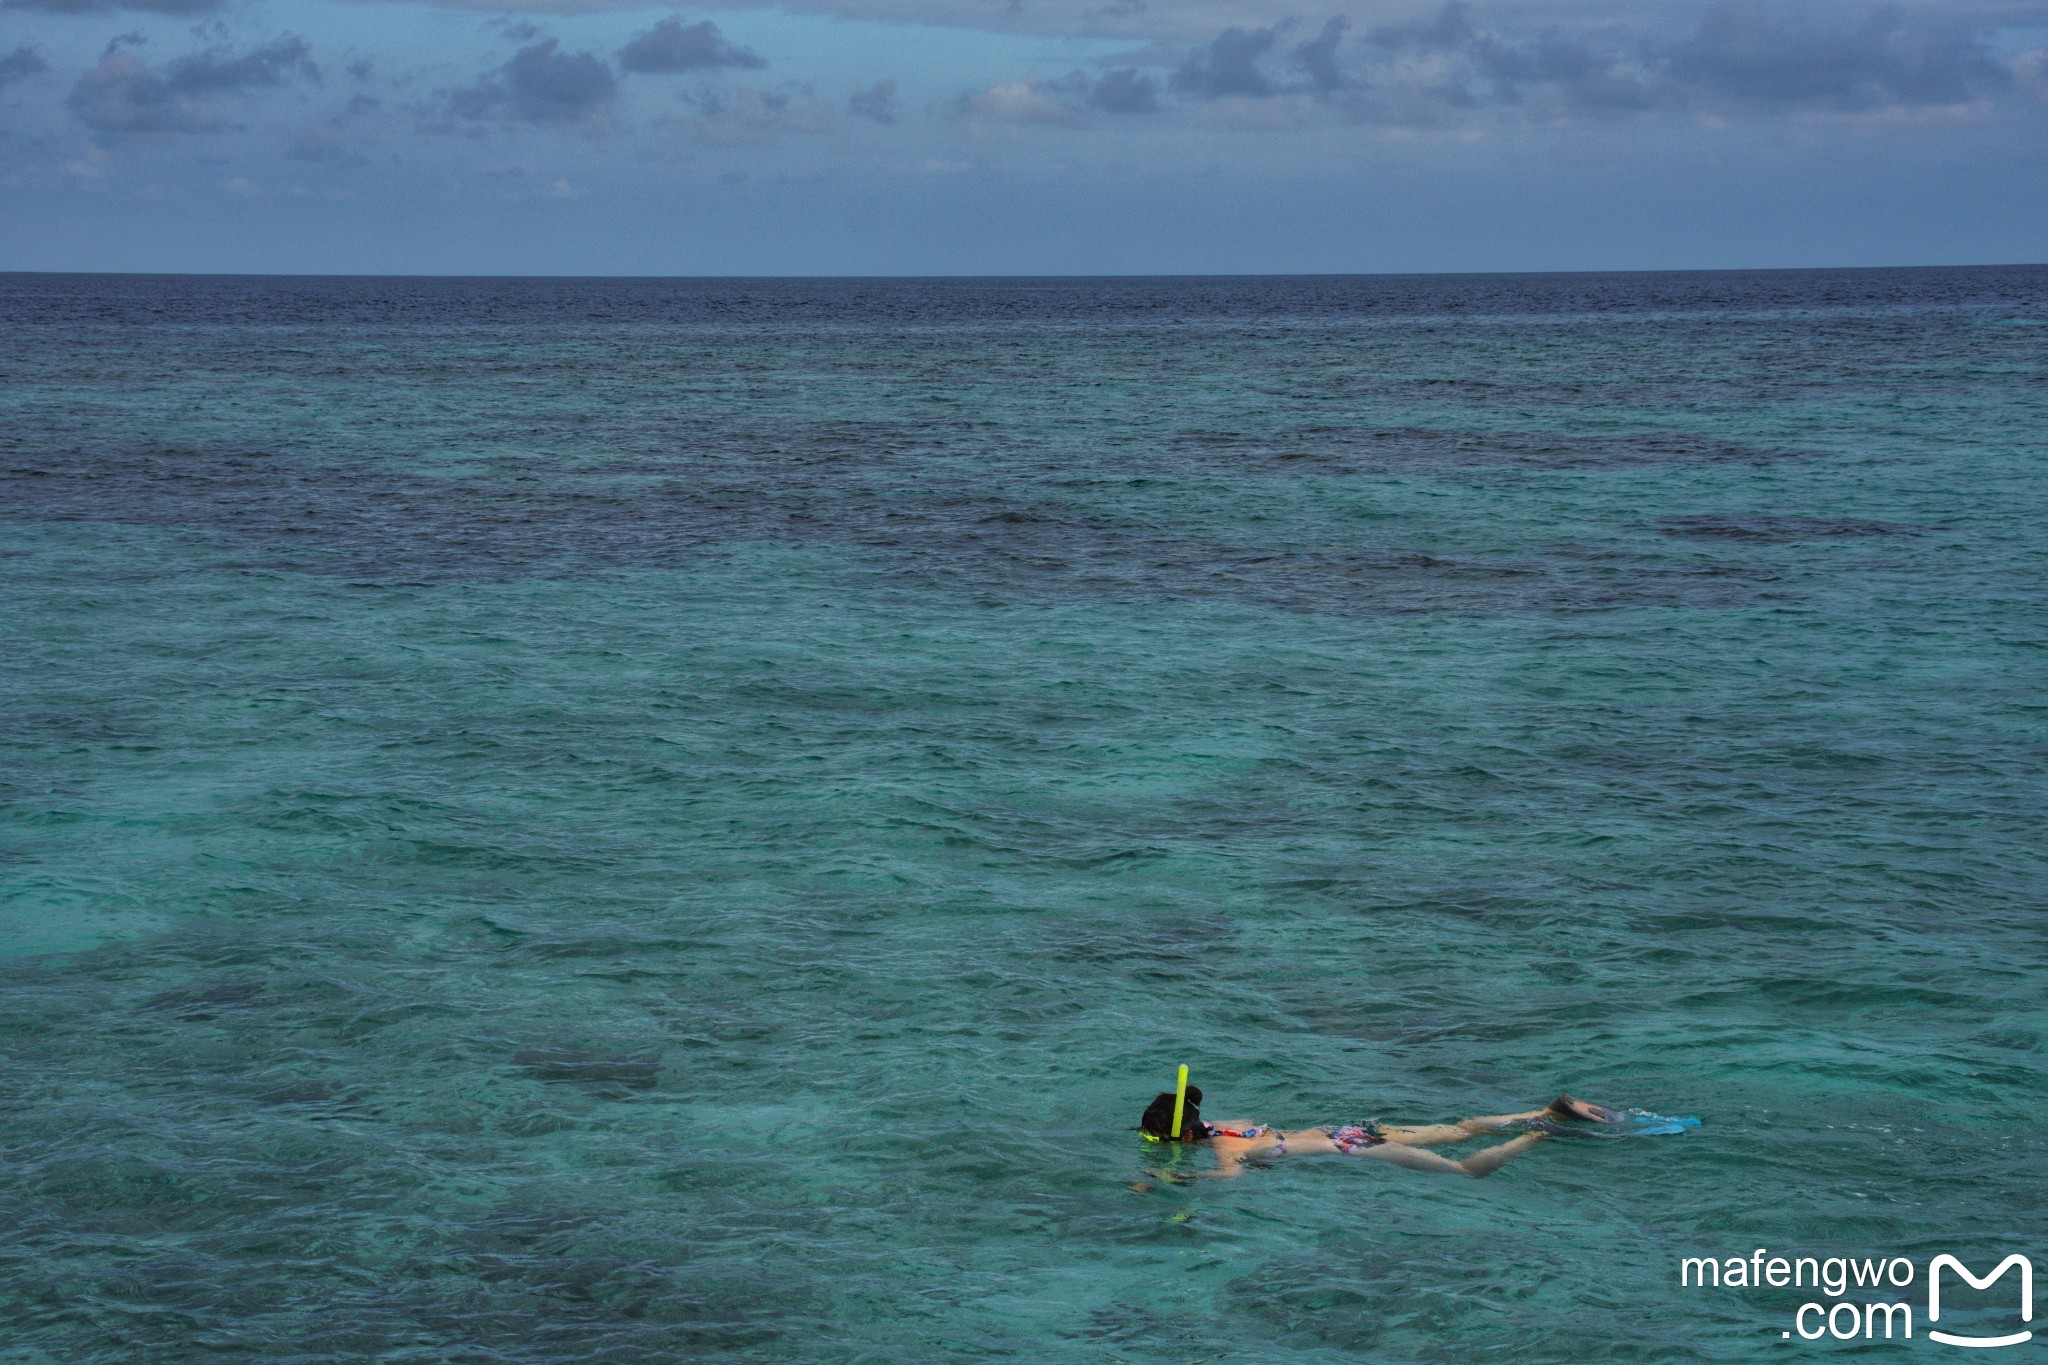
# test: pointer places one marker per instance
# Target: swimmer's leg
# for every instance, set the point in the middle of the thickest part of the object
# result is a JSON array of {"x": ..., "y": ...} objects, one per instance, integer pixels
[
  {"x": 1493, "y": 1158},
  {"x": 1477, "y": 1165},
  {"x": 1437, "y": 1134}
]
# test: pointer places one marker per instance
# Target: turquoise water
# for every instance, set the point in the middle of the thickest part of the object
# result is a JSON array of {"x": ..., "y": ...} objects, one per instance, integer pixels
[{"x": 657, "y": 820}]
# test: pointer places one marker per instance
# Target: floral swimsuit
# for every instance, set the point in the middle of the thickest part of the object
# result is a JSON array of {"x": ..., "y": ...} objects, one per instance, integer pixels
[{"x": 1355, "y": 1137}]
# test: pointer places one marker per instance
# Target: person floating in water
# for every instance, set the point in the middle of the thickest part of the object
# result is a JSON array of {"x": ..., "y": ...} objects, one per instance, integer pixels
[{"x": 1236, "y": 1143}]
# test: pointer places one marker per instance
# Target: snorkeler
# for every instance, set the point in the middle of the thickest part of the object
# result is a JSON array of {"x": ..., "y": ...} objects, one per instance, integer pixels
[{"x": 1236, "y": 1144}]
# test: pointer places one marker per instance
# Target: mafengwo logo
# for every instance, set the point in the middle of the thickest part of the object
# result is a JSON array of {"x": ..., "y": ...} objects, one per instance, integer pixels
[{"x": 1856, "y": 1319}]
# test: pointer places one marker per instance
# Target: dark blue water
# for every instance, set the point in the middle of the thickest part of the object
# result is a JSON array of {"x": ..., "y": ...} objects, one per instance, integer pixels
[{"x": 646, "y": 820}]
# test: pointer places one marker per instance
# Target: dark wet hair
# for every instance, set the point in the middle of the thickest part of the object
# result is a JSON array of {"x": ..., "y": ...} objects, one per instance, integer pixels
[{"x": 1158, "y": 1120}]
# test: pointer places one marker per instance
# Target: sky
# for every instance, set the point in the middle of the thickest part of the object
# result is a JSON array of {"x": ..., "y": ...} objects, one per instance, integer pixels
[{"x": 934, "y": 137}]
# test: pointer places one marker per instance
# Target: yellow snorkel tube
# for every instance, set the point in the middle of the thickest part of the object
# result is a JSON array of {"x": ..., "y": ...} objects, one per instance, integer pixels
[{"x": 1180, "y": 1104}]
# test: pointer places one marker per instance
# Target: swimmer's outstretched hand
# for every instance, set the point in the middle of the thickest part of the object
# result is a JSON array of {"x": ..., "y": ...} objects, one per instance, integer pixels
[
  {"x": 1636, "y": 1123},
  {"x": 1584, "y": 1111},
  {"x": 1179, "y": 1177}
]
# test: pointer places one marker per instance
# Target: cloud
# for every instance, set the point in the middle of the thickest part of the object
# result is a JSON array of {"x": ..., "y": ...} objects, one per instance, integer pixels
[
  {"x": 1558, "y": 74},
  {"x": 1245, "y": 63},
  {"x": 877, "y": 102},
  {"x": 1318, "y": 56},
  {"x": 672, "y": 45},
  {"x": 328, "y": 143},
  {"x": 1450, "y": 69},
  {"x": 269, "y": 65},
  {"x": 176, "y": 7},
  {"x": 1740, "y": 57},
  {"x": 751, "y": 117},
  {"x": 542, "y": 84},
  {"x": 1748, "y": 55},
  {"x": 1180, "y": 22},
  {"x": 20, "y": 64},
  {"x": 123, "y": 95},
  {"x": 1124, "y": 91},
  {"x": 1028, "y": 100},
  {"x": 1449, "y": 31},
  {"x": 1064, "y": 101},
  {"x": 1229, "y": 65}
]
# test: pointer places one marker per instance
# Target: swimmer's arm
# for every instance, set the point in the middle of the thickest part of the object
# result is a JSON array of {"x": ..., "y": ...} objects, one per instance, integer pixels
[
  {"x": 1173, "y": 1177},
  {"x": 1229, "y": 1164},
  {"x": 1229, "y": 1158}
]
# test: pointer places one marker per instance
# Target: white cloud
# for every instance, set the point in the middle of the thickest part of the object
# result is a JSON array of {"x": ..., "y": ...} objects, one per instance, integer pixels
[{"x": 1021, "y": 101}]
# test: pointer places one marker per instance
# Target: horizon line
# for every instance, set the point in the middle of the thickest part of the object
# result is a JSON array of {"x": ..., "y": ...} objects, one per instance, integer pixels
[{"x": 892, "y": 278}]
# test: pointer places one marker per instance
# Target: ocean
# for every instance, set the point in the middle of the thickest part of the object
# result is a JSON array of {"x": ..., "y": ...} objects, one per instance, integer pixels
[{"x": 625, "y": 820}]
